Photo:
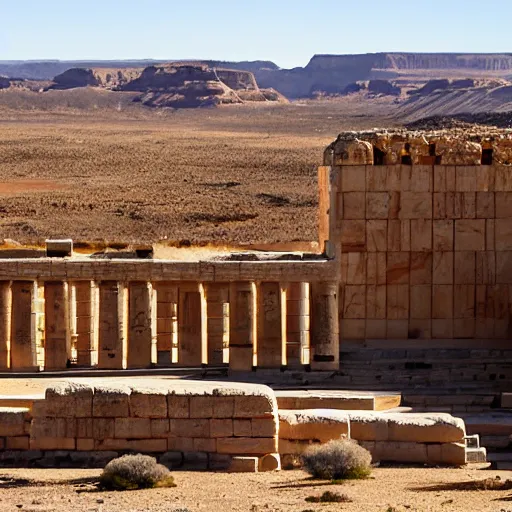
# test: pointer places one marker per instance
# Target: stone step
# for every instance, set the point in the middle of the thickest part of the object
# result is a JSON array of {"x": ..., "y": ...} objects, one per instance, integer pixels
[
  {"x": 496, "y": 423},
  {"x": 333, "y": 399},
  {"x": 476, "y": 455},
  {"x": 496, "y": 442},
  {"x": 26, "y": 401}
]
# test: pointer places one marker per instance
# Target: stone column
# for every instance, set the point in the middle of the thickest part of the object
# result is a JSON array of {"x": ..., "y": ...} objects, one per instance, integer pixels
[
  {"x": 112, "y": 325},
  {"x": 23, "y": 343},
  {"x": 325, "y": 341},
  {"x": 167, "y": 322},
  {"x": 217, "y": 308},
  {"x": 191, "y": 325},
  {"x": 140, "y": 322},
  {"x": 298, "y": 324},
  {"x": 87, "y": 351},
  {"x": 5, "y": 324},
  {"x": 242, "y": 325},
  {"x": 271, "y": 318},
  {"x": 57, "y": 350}
]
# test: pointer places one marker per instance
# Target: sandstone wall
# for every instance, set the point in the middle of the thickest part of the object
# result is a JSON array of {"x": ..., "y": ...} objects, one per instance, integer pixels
[{"x": 425, "y": 250}]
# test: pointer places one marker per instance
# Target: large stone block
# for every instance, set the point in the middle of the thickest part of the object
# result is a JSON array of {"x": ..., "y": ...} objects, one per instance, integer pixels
[
  {"x": 243, "y": 465},
  {"x": 148, "y": 403},
  {"x": 111, "y": 402},
  {"x": 253, "y": 406},
  {"x": 12, "y": 421},
  {"x": 425, "y": 428},
  {"x": 221, "y": 428},
  {"x": 103, "y": 428},
  {"x": 132, "y": 428},
  {"x": 202, "y": 406},
  {"x": 68, "y": 400},
  {"x": 52, "y": 443},
  {"x": 314, "y": 424},
  {"x": 178, "y": 406},
  {"x": 247, "y": 445},
  {"x": 53, "y": 427},
  {"x": 452, "y": 454},
  {"x": 190, "y": 428},
  {"x": 403, "y": 452},
  {"x": 368, "y": 426}
]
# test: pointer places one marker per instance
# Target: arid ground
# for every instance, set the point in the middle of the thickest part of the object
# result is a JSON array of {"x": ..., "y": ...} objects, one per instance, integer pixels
[
  {"x": 388, "y": 490},
  {"x": 92, "y": 167}
]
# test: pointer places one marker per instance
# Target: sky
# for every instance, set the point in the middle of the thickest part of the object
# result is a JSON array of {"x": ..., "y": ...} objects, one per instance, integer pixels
[{"x": 288, "y": 32}]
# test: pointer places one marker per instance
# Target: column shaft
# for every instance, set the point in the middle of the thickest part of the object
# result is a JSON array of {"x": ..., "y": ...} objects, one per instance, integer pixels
[
  {"x": 191, "y": 325},
  {"x": 217, "y": 306},
  {"x": 57, "y": 349},
  {"x": 23, "y": 343},
  {"x": 5, "y": 324},
  {"x": 242, "y": 325}
]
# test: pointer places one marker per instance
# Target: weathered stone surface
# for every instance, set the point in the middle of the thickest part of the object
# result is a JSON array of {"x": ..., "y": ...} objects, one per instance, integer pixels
[
  {"x": 425, "y": 428},
  {"x": 313, "y": 424},
  {"x": 247, "y": 445},
  {"x": 68, "y": 400},
  {"x": 243, "y": 465},
  {"x": 270, "y": 462},
  {"x": 12, "y": 421},
  {"x": 148, "y": 403},
  {"x": 111, "y": 402},
  {"x": 367, "y": 426},
  {"x": 132, "y": 428}
]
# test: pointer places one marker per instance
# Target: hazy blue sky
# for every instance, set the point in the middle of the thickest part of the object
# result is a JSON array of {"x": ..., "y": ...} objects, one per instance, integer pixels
[{"x": 288, "y": 32}]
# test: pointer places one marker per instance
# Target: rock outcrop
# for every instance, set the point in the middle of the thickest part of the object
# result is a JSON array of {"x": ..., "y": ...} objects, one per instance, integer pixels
[
  {"x": 4, "y": 82},
  {"x": 103, "y": 77}
]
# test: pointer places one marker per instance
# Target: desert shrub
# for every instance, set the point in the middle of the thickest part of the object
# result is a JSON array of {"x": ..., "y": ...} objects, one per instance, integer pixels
[
  {"x": 329, "y": 497},
  {"x": 135, "y": 472},
  {"x": 337, "y": 460}
]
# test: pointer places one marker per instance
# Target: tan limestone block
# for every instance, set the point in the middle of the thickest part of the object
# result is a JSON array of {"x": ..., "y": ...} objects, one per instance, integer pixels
[
  {"x": 132, "y": 428},
  {"x": 17, "y": 443},
  {"x": 503, "y": 205},
  {"x": 353, "y": 236},
  {"x": 397, "y": 302},
  {"x": 421, "y": 268},
  {"x": 314, "y": 424},
  {"x": 464, "y": 301},
  {"x": 356, "y": 267},
  {"x": 464, "y": 328},
  {"x": 376, "y": 268},
  {"x": 394, "y": 178},
  {"x": 353, "y": 329},
  {"x": 442, "y": 301},
  {"x": 404, "y": 452},
  {"x": 354, "y": 301},
  {"x": 263, "y": 427},
  {"x": 376, "y": 178},
  {"x": 470, "y": 235},
  {"x": 442, "y": 272},
  {"x": 204, "y": 445},
  {"x": 255, "y": 406},
  {"x": 416, "y": 205},
  {"x": 111, "y": 402},
  {"x": 68, "y": 400},
  {"x": 368, "y": 426},
  {"x": 85, "y": 445},
  {"x": 503, "y": 181},
  {"x": 178, "y": 406},
  {"x": 247, "y": 445},
  {"x": 425, "y": 428},
  {"x": 353, "y": 178},
  {"x": 354, "y": 205},
  {"x": 180, "y": 444},
  {"x": 52, "y": 443},
  {"x": 442, "y": 235},
  {"x": 190, "y": 428},
  {"x": 243, "y": 465},
  {"x": 221, "y": 428},
  {"x": 376, "y": 329},
  {"x": 53, "y": 427},
  {"x": 397, "y": 329},
  {"x": 150, "y": 403},
  {"x": 465, "y": 267},
  {"x": 442, "y": 328},
  {"x": 421, "y": 235},
  {"x": 377, "y": 205},
  {"x": 421, "y": 301},
  {"x": 160, "y": 428},
  {"x": 242, "y": 428},
  {"x": 12, "y": 420},
  {"x": 490, "y": 234},
  {"x": 224, "y": 407},
  {"x": 465, "y": 178},
  {"x": 398, "y": 268},
  {"x": 376, "y": 235},
  {"x": 422, "y": 178},
  {"x": 84, "y": 428},
  {"x": 148, "y": 445},
  {"x": 486, "y": 178},
  {"x": 503, "y": 234},
  {"x": 103, "y": 428},
  {"x": 485, "y": 205},
  {"x": 293, "y": 447},
  {"x": 376, "y": 301},
  {"x": 469, "y": 205},
  {"x": 453, "y": 454},
  {"x": 405, "y": 235},
  {"x": 202, "y": 406},
  {"x": 486, "y": 267},
  {"x": 439, "y": 210},
  {"x": 504, "y": 267},
  {"x": 439, "y": 178},
  {"x": 394, "y": 235}
]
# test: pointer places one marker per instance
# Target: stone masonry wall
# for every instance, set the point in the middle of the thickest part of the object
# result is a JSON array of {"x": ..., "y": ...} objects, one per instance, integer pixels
[{"x": 426, "y": 250}]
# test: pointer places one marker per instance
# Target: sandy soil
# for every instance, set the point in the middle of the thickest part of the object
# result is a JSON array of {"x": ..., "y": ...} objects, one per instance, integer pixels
[
  {"x": 389, "y": 490},
  {"x": 228, "y": 175}
]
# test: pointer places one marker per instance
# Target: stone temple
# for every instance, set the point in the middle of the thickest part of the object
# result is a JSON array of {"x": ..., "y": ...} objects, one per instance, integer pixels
[{"x": 406, "y": 303}]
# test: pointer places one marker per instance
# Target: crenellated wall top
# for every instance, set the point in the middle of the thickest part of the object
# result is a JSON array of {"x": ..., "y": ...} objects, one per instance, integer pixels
[{"x": 457, "y": 146}]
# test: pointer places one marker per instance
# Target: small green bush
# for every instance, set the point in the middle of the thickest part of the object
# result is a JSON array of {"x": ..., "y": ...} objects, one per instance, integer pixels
[
  {"x": 329, "y": 497},
  {"x": 340, "y": 459},
  {"x": 135, "y": 472}
]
